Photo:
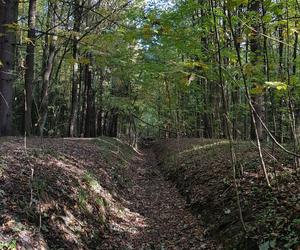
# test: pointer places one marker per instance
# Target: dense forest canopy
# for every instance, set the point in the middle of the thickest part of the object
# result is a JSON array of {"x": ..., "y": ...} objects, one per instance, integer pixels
[{"x": 157, "y": 68}]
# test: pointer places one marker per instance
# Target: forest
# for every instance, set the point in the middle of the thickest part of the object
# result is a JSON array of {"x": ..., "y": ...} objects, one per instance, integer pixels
[{"x": 150, "y": 124}]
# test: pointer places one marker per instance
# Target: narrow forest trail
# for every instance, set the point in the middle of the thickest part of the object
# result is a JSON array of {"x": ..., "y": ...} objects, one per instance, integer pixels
[
  {"x": 91, "y": 194},
  {"x": 81, "y": 194},
  {"x": 169, "y": 224}
]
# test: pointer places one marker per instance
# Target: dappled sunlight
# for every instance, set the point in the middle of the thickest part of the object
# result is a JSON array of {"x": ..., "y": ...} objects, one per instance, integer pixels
[
  {"x": 205, "y": 178},
  {"x": 132, "y": 147},
  {"x": 127, "y": 221},
  {"x": 67, "y": 167},
  {"x": 119, "y": 150},
  {"x": 150, "y": 124},
  {"x": 77, "y": 190},
  {"x": 206, "y": 146},
  {"x": 124, "y": 220},
  {"x": 15, "y": 233}
]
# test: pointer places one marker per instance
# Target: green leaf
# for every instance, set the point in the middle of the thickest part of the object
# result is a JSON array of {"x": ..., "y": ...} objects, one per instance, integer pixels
[
  {"x": 257, "y": 90},
  {"x": 296, "y": 221},
  {"x": 267, "y": 245},
  {"x": 277, "y": 85},
  {"x": 236, "y": 3}
]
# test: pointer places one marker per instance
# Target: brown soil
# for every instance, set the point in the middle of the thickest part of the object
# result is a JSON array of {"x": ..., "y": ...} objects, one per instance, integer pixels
[
  {"x": 202, "y": 171},
  {"x": 90, "y": 194}
]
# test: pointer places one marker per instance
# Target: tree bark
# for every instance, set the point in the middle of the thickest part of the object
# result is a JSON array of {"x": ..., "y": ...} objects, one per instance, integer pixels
[
  {"x": 47, "y": 71},
  {"x": 76, "y": 72},
  {"x": 90, "y": 105},
  {"x": 100, "y": 111},
  {"x": 256, "y": 49},
  {"x": 8, "y": 18},
  {"x": 29, "y": 71}
]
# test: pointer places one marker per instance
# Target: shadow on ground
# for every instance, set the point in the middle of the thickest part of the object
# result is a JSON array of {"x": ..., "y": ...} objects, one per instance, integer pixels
[{"x": 66, "y": 194}]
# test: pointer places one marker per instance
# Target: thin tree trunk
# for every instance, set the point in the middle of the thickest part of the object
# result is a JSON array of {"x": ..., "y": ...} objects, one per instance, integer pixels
[
  {"x": 47, "y": 71},
  {"x": 90, "y": 117},
  {"x": 76, "y": 72},
  {"x": 281, "y": 77},
  {"x": 251, "y": 106},
  {"x": 226, "y": 116},
  {"x": 290, "y": 89},
  {"x": 100, "y": 111},
  {"x": 83, "y": 110},
  {"x": 255, "y": 47},
  {"x": 297, "y": 115},
  {"x": 29, "y": 71}
]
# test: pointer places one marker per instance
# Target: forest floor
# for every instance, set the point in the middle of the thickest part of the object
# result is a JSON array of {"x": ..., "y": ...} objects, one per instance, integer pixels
[
  {"x": 91, "y": 194},
  {"x": 202, "y": 171},
  {"x": 173, "y": 194}
]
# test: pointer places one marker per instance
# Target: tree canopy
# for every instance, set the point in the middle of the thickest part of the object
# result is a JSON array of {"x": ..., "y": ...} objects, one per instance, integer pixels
[{"x": 159, "y": 68}]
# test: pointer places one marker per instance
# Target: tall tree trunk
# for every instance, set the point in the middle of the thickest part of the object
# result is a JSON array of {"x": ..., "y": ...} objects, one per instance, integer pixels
[
  {"x": 297, "y": 113},
  {"x": 47, "y": 71},
  {"x": 169, "y": 103},
  {"x": 268, "y": 118},
  {"x": 83, "y": 108},
  {"x": 111, "y": 123},
  {"x": 226, "y": 116},
  {"x": 207, "y": 121},
  {"x": 76, "y": 72},
  {"x": 100, "y": 111},
  {"x": 248, "y": 97},
  {"x": 8, "y": 17},
  {"x": 45, "y": 88},
  {"x": 281, "y": 77},
  {"x": 256, "y": 49},
  {"x": 296, "y": 37},
  {"x": 29, "y": 71},
  {"x": 90, "y": 105}
]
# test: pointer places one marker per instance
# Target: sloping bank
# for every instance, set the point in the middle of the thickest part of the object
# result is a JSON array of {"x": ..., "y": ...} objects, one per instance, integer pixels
[
  {"x": 64, "y": 194},
  {"x": 202, "y": 172}
]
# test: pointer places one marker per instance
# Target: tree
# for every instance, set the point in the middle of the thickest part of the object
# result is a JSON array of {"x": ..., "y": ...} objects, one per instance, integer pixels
[
  {"x": 8, "y": 26},
  {"x": 256, "y": 61},
  {"x": 49, "y": 56},
  {"x": 30, "y": 65},
  {"x": 77, "y": 6}
]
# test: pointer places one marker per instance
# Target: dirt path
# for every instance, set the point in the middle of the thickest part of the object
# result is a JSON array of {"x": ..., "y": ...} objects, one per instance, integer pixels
[
  {"x": 168, "y": 222},
  {"x": 93, "y": 195},
  {"x": 100, "y": 194}
]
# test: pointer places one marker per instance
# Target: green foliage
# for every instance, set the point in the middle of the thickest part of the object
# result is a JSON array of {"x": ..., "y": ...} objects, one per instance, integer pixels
[
  {"x": 82, "y": 198},
  {"x": 292, "y": 238},
  {"x": 267, "y": 245},
  {"x": 277, "y": 85},
  {"x": 92, "y": 182},
  {"x": 11, "y": 245},
  {"x": 177, "y": 68}
]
